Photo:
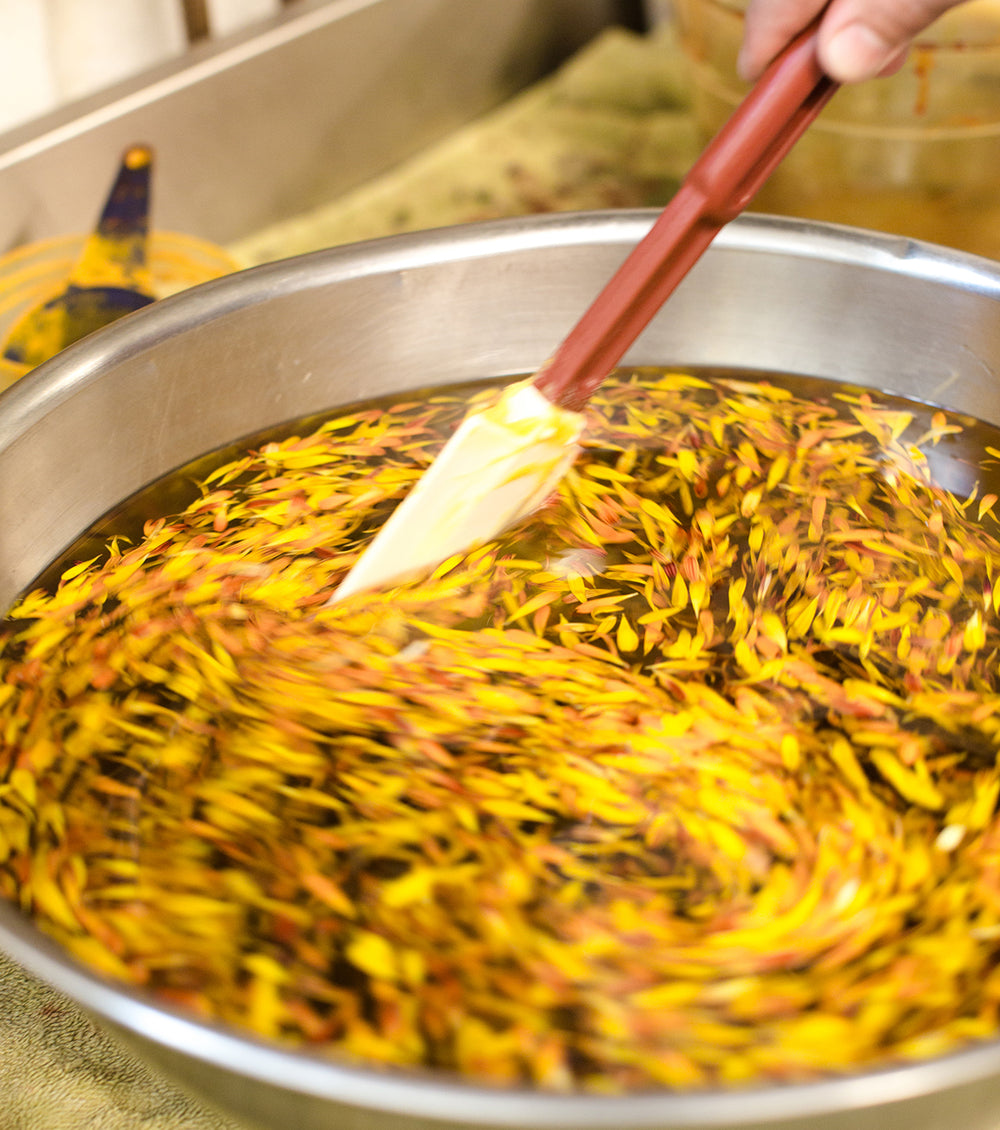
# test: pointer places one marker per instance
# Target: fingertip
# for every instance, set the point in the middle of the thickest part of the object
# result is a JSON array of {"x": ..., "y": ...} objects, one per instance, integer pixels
[
  {"x": 855, "y": 52},
  {"x": 895, "y": 64},
  {"x": 746, "y": 65}
]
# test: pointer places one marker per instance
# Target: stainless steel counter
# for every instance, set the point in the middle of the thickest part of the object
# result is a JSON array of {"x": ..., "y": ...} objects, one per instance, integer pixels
[{"x": 271, "y": 122}]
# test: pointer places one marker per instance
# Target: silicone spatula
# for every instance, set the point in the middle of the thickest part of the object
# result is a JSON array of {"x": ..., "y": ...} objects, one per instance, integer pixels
[{"x": 503, "y": 461}]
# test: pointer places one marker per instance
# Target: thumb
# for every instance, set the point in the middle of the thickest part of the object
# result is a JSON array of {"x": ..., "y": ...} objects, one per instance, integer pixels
[{"x": 860, "y": 39}]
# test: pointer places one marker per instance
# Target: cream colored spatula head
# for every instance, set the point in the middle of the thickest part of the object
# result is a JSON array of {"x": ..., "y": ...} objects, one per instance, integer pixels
[{"x": 501, "y": 463}]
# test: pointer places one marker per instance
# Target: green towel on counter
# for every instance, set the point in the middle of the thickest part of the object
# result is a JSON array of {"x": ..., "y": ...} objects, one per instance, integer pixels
[{"x": 610, "y": 129}]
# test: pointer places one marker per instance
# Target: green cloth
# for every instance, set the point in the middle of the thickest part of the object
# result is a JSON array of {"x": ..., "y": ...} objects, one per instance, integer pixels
[{"x": 60, "y": 1071}]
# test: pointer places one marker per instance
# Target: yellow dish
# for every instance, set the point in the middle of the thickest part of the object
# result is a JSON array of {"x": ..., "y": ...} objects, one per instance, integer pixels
[{"x": 34, "y": 273}]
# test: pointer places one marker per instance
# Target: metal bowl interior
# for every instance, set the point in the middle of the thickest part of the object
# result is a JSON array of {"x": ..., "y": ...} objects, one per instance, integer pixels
[{"x": 229, "y": 358}]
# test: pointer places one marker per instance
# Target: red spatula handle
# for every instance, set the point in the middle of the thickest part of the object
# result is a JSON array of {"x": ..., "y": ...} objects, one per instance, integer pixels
[{"x": 719, "y": 186}]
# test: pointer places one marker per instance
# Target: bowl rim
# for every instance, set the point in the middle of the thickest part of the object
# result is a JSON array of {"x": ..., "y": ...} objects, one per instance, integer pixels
[{"x": 423, "y": 1094}]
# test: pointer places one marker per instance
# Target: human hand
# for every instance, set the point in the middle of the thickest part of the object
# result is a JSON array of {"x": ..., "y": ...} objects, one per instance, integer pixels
[{"x": 858, "y": 39}]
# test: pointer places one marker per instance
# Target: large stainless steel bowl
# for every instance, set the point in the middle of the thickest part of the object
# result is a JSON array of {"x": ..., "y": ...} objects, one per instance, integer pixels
[{"x": 231, "y": 357}]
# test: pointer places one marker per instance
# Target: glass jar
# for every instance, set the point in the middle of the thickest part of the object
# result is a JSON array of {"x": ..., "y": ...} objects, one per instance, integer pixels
[{"x": 917, "y": 153}]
